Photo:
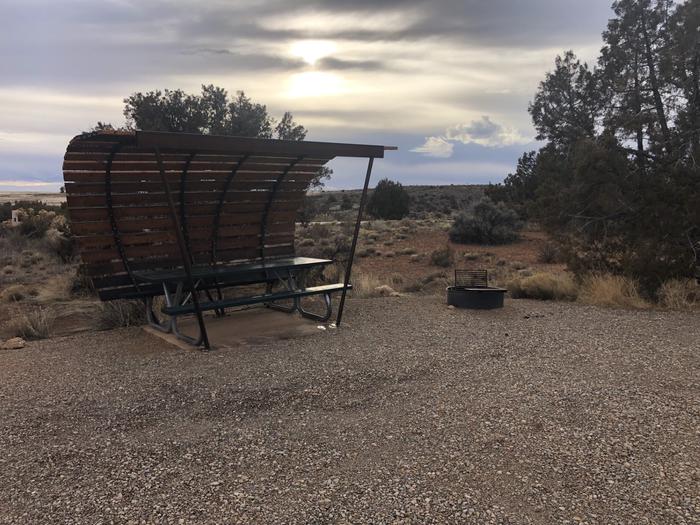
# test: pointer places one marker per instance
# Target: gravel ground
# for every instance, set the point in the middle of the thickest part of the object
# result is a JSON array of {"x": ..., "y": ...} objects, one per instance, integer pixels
[{"x": 412, "y": 413}]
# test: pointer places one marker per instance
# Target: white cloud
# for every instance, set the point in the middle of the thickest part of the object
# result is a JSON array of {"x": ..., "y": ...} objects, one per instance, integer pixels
[
  {"x": 486, "y": 132},
  {"x": 435, "y": 147}
]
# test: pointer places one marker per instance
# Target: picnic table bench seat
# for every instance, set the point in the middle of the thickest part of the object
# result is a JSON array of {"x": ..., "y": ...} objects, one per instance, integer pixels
[{"x": 188, "y": 217}]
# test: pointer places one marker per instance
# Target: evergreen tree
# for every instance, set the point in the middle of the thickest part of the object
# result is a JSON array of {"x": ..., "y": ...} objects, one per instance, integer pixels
[
  {"x": 389, "y": 200},
  {"x": 565, "y": 105},
  {"x": 618, "y": 182},
  {"x": 211, "y": 112}
]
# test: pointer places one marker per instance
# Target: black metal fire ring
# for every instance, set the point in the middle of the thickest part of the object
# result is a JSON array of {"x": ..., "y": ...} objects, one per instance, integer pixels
[{"x": 480, "y": 298}]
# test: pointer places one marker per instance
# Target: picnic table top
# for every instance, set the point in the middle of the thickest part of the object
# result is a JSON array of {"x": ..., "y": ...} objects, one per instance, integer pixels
[{"x": 229, "y": 270}]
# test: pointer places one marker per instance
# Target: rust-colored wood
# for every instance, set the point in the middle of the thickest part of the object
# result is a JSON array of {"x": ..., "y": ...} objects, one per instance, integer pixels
[
  {"x": 118, "y": 166},
  {"x": 140, "y": 206},
  {"x": 191, "y": 198},
  {"x": 116, "y": 267},
  {"x": 148, "y": 212},
  {"x": 155, "y": 243},
  {"x": 173, "y": 177}
]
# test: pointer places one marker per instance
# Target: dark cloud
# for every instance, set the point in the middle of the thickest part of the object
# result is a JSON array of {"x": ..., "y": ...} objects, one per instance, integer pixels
[
  {"x": 417, "y": 66},
  {"x": 496, "y": 23},
  {"x": 339, "y": 63}
]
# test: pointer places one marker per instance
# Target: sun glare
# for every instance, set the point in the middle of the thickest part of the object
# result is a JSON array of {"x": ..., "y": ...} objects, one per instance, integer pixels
[
  {"x": 315, "y": 84},
  {"x": 310, "y": 51}
]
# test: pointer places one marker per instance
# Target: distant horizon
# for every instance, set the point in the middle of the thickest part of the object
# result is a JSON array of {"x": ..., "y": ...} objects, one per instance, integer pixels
[{"x": 326, "y": 189}]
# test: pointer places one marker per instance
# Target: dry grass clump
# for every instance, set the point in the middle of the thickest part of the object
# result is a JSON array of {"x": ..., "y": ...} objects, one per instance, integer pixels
[
  {"x": 120, "y": 313},
  {"x": 611, "y": 290},
  {"x": 57, "y": 288},
  {"x": 14, "y": 293},
  {"x": 680, "y": 294},
  {"x": 366, "y": 285},
  {"x": 442, "y": 257},
  {"x": 306, "y": 242},
  {"x": 548, "y": 253},
  {"x": 35, "y": 324},
  {"x": 600, "y": 290},
  {"x": 543, "y": 286},
  {"x": 396, "y": 280}
]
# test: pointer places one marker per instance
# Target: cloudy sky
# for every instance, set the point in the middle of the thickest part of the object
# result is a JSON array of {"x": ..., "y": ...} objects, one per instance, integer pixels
[{"x": 447, "y": 81}]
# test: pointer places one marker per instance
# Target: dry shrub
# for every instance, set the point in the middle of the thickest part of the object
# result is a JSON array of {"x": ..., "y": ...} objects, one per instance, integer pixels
[
  {"x": 333, "y": 273},
  {"x": 396, "y": 279},
  {"x": 435, "y": 282},
  {"x": 365, "y": 285},
  {"x": 413, "y": 287},
  {"x": 680, "y": 294},
  {"x": 57, "y": 288},
  {"x": 60, "y": 243},
  {"x": 120, "y": 313},
  {"x": 35, "y": 324},
  {"x": 81, "y": 285},
  {"x": 13, "y": 294},
  {"x": 442, "y": 257},
  {"x": 548, "y": 253},
  {"x": 317, "y": 231},
  {"x": 611, "y": 290},
  {"x": 543, "y": 286}
]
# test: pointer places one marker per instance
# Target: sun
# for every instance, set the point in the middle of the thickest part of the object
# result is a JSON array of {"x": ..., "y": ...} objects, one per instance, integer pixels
[{"x": 311, "y": 51}]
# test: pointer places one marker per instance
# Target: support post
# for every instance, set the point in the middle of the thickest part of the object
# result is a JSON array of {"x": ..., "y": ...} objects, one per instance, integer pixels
[
  {"x": 351, "y": 257},
  {"x": 184, "y": 253}
]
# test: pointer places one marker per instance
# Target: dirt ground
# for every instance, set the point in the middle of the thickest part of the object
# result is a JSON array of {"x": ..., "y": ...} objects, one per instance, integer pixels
[
  {"x": 410, "y": 413},
  {"x": 522, "y": 253}
]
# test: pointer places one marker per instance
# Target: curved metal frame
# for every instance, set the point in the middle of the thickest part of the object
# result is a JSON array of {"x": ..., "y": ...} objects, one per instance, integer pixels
[
  {"x": 266, "y": 212},
  {"x": 183, "y": 211},
  {"x": 112, "y": 219},
  {"x": 220, "y": 206}
]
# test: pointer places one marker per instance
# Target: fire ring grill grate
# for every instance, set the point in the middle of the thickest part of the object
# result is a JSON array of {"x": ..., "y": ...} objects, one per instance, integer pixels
[
  {"x": 471, "y": 278},
  {"x": 472, "y": 290}
]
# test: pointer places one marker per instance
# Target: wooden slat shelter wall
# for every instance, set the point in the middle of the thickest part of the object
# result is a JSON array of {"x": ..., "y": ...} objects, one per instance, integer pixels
[{"x": 236, "y": 199}]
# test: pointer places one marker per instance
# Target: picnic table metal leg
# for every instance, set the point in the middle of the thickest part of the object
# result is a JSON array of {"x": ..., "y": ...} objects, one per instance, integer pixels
[
  {"x": 301, "y": 283},
  {"x": 184, "y": 254},
  {"x": 165, "y": 326},
  {"x": 348, "y": 269},
  {"x": 291, "y": 285},
  {"x": 319, "y": 317}
]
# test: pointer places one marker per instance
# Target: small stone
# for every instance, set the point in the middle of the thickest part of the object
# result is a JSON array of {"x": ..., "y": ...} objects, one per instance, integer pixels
[{"x": 14, "y": 344}]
